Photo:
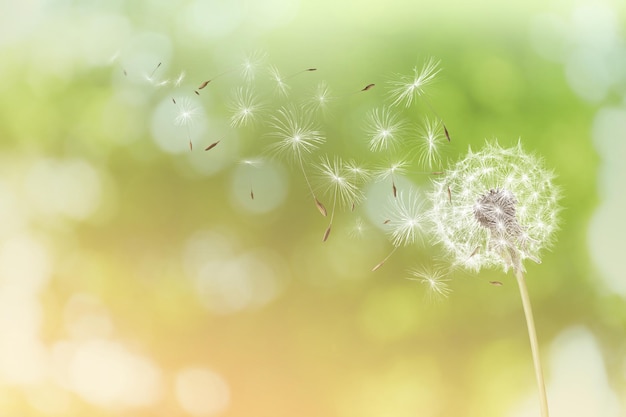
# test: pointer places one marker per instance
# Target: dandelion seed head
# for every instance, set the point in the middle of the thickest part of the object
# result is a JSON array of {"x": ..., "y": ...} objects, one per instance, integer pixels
[
  {"x": 502, "y": 208},
  {"x": 406, "y": 88},
  {"x": 358, "y": 229},
  {"x": 383, "y": 129}
]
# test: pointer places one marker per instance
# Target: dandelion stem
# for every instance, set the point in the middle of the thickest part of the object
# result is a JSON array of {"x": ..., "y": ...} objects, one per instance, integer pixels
[
  {"x": 532, "y": 335},
  {"x": 319, "y": 205}
]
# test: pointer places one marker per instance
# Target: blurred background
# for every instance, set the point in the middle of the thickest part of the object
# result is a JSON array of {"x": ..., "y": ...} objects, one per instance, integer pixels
[{"x": 138, "y": 277}]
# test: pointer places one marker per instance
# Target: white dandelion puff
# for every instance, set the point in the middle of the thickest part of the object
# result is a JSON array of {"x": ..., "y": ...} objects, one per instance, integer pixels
[
  {"x": 391, "y": 171},
  {"x": 336, "y": 180},
  {"x": 179, "y": 79},
  {"x": 187, "y": 112},
  {"x": 296, "y": 138},
  {"x": 251, "y": 64},
  {"x": 406, "y": 88},
  {"x": 496, "y": 207},
  {"x": 245, "y": 107},
  {"x": 383, "y": 129},
  {"x": 407, "y": 219},
  {"x": 320, "y": 98},
  {"x": 435, "y": 281},
  {"x": 282, "y": 88},
  {"x": 428, "y": 142}
]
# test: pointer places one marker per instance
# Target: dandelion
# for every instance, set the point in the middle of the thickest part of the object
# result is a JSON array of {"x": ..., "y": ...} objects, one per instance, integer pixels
[
  {"x": 179, "y": 79},
  {"x": 187, "y": 112},
  {"x": 358, "y": 229},
  {"x": 320, "y": 99},
  {"x": 282, "y": 89},
  {"x": 339, "y": 187},
  {"x": 297, "y": 138},
  {"x": 429, "y": 142},
  {"x": 245, "y": 107},
  {"x": 251, "y": 163},
  {"x": 358, "y": 174},
  {"x": 497, "y": 208},
  {"x": 383, "y": 129},
  {"x": 250, "y": 65},
  {"x": 435, "y": 281},
  {"x": 405, "y": 88},
  {"x": 391, "y": 171},
  {"x": 406, "y": 220}
]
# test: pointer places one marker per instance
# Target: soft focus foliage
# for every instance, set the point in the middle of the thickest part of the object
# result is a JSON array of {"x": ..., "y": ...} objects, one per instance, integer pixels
[{"x": 143, "y": 275}]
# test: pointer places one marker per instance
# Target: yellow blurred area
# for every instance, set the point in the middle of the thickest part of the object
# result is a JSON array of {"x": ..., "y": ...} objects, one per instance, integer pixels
[{"x": 139, "y": 277}]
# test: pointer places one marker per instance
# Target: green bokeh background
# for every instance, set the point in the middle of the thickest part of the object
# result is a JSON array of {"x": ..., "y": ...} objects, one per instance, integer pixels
[{"x": 337, "y": 339}]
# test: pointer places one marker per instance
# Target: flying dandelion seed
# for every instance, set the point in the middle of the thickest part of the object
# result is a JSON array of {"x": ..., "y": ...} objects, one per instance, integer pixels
[
  {"x": 391, "y": 171},
  {"x": 335, "y": 177},
  {"x": 406, "y": 221},
  {"x": 320, "y": 99},
  {"x": 358, "y": 229},
  {"x": 297, "y": 137},
  {"x": 384, "y": 129},
  {"x": 179, "y": 79},
  {"x": 282, "y": 89},
  {"x": 504, "y": 211},
  {"x": 251, "y": 64},
  {"x": 429, "y": 144},
  {"x": 187, "y": 112},
  {"x": 405, "y": 88},
  {"x": 435, "y": 281},
  {"x": 359, "y": 176},
  {"x": 368, "y": 87},
  {"x": 245, "y": 107},
  {"x": 250, "y": 164}
]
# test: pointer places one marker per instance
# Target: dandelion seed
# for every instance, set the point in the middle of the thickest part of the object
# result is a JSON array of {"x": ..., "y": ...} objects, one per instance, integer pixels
[
  {"x": 358, "y": 229},
  {"x": 150, "y": 77},
  {"x": 336, "y": 179},
  {"x": 197, "y": 93},
  {"x": 251, "y": 163},
  {"x": 297, "y": 138},
  {"x": 251, "y": 64},
  {"x": 320, "y": 99},
  {"x": 203, "y": 84},
  {"x": 282, "y": 88},
  {"x": 406, "y": 88},
  {"x": 407, "y": 219},
  {"x": 245, "y": 107},
  {"x": 391, "y": 171},
  {"x": 173, "y": 100},
  {"x": 125, "y": 73},
  {"x": 368, "y": 87},
  {"x": 187, "y": 112},
  {"x": 383, "y": 128},
  {"x": 496, "y": 283},
  {"x": 179, "y": 80},
  {"x": 359, "y": 176},
  {"x": 211, "y": 146},
  {"x": 381, "y": 263},
  {"x": 435, "y": 281},
  {"x": 429, "y": 141},
  {"x": 300, "y": 72},
  {"x": 387, "y": 221}
]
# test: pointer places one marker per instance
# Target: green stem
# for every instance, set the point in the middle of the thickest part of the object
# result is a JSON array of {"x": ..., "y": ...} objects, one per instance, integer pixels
[{"x": 532, "y": 335}]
